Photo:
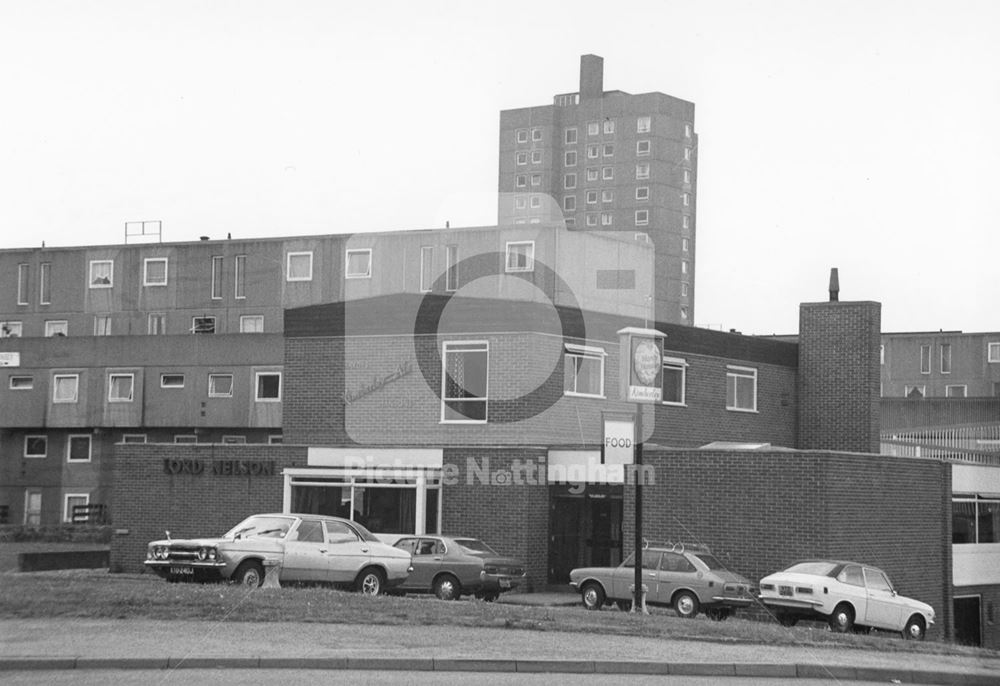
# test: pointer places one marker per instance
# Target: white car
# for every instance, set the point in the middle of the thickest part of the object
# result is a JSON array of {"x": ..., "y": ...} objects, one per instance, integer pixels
[{"x": 847, "y": 595}]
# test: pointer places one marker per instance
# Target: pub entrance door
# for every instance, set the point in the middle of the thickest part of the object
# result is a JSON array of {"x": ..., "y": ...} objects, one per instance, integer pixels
[{"x": 585, "y": 529}]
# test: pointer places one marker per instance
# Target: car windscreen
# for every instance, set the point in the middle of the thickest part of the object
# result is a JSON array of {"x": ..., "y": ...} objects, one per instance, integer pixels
[
  {"x": 819, "y": 568},
  {"x": 711, "y": 560},
  {"x": 261, "y": 525},
  {"x": 474, "y": 546}
]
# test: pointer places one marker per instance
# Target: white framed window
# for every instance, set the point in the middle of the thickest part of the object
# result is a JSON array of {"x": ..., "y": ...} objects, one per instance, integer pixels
[
  {"x": 72, "y": 500},
  {"x": 520, "y": 256},
  {"x": 609, "y": 149},
  {"x": 521, "y": 135},
  {"x": 275, "y": 439},
  {"x": 65, "y": 388},
  {"x": 607, "y": 173},
  {"x": 583, "y": 371},
  {"x": 78, "y": 448},
  {"x": 240, "y": 277},
  {"x": 593, "y": 173},
  {"x": 521, "y": 157},
  {"x": 358, "y": 264},
  {"x": 133, "y": 438},
  {"x": 185, "y": 438},
  {"x": 536, "y": 156},
  {"x": 641, "y": 217},
  {"x": 251, "y": 323},
  {"x": 925, "y": 359},
  {"x": 536, "y": 180},
  {"x": 570, "y": 221},
  {"x": 993, "y": 351},
  {"x": 11, "y": 330},
  {"x": 234, "y": 440},
  {"x": 569, "y": 203},
  {"x": 642, "y": 147},
  {"x": 686, "y": 199},
  {"x": 520, "y": 202},
  {"x": 32, "y": 507},
  {"x": 687, "y": 130},
  {"x": 914, "y": 391},
  {"x": 881, "y": 354},
  {"x": 21, "y": 382},
  {"x": 102, "y": 273},
  {"x": 299, "y": 266},
  {"x": 687, "y": 176},
  {"x": 36, "y": 446},
  {"x": 569, "y": 181},
  {"x": 536, "y": 134},
  {"x": 521, "y": 181},
  {"x": 945, "y": 358},
  {"x": 593, "y": 151},
  {"x": 451, "y": 268},
  {"x": 607, "y": 195},
  {"x": 169, "y": 380},
  {"x": 592, "y": 219},
  {"x": 569, "y": 158},
  {"x": 220, "y": 385},
  {"x": 535, "y": 202},
  {"x": 204, "y": 325},
  {"x": 607, "y": 219},
  {"x": 686, "y": 221},
  {"x": 268, "y": 385},
  {"x": 642, "y": 170},
  {"x": 56, "y": 327},
  {"x": 642, "y": 193},
  {"x": 426, "y": 268},
  {"x": 684, "y": 267},
  {"x": 609, "y": 126},
  {"x": 685, "y": 244},
  {"x": 154, "y": 271},
  {"x": 218, "y": 262},
  {"x": 570, "y": 135},
  {"x": 687, "y": 154},
  {"x": 102, "y": 325},
  {"x": 642, "y": 124},
  {"x": 465, "y": 382},
  {"x": 593, "y": 128},
  {"x": 156, "y": 323},
  {"x": 591, "y": 197},
  {"x": 955, "y": 391},
  {"x": 674, "y": 381},
  {"x": 23, "y": 279},
  {"x": 535, "y": 220},
  {"x": 121, "y": 387},
  {"x": 741, "y": 388},
  {"x": 685, "y": 289},
  {"x": 45, "y": 283}
]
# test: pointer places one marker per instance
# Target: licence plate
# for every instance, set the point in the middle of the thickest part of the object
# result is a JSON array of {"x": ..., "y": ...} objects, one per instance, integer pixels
[
  {"x": 181, "y": 571},
  {"x": 785, "y": 590},
  {"x": 504, "y": 583}
]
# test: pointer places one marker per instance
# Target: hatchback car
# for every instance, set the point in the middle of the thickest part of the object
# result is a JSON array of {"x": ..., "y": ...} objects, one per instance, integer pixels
[
  {"x": 450, "y": 566},
  {"x": 688, "y": 579},
  {"x": 847, "y": 595},
  {"x": 305, "y": 548}
]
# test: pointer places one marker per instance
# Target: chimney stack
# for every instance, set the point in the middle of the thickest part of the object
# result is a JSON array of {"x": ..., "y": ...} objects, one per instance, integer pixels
[
  {"x": 834, "y": 285},
  {"x": 591, "y": 77}
]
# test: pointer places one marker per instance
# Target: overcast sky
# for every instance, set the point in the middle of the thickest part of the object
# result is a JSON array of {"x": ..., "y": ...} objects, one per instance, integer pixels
[{"x": 859, "y": 135}]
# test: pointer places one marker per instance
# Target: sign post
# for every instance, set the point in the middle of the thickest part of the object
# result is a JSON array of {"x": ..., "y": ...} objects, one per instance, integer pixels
[{"x": 641, "y": 374}]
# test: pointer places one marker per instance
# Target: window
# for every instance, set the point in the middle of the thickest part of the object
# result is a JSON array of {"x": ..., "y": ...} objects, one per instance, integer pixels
[
  {"x": 593, "y": 128},
  {"x": 609, "y": 126},
  {"x": 914, "y": 391},
  {"x": 881, "y": 354},
  {"x": 275, "y": 439},
  {"x": 684, "y": 267},
  {"x": 975, "y": 518},
  {"x": 536, "y": 156},
  {"x": 536, "y": 179},
  {"x": 571, "y": 221},
  {"x": 571, "y": 136},
  {"x": 607, "y": 195},
  {"x": 925, "y": 359},
  {"x": 685, "y": 289},
  {"x": 593, "y": 173},
  {"x": 521, "y": 135},
  {"x": 687, "y": 130},
  {"x": 641, "y": 217},
  {"x": 946, "y": 358},
  {"x": 570, "y": 158},
  {"x": 154, "y": 271},
  {"x": 359, "y": 264},
  {"x": 521, "y": 157},
  {"x": 465, "y": 381},
  {"x": 36, "y": 446},
  {"x": 71, "y": 501},
  {"x": 171, "y": 381},
  {"x": 608, "y": 173},
  {"x": 687, "y": 154},
  {"x": 642, "y": 193},
  {"x": 687, "y": 176},
  {"x": 299, "y": 266},
  {"x": 686, "y": 221},
  {"x": 642, "y": 170},
  {"x": 642, "y": 124},
  {"x": 156, "y": 324},
  {"x": 220, "y": 385},
  {"x": 451, "y": 275},
  {"x": 268, "y": 386},
  {"x": 642, "y": 147},
  {"x": 426, "y": 268},
  {"x": 674, "y": 380},
  {"x": 240, "y": 276},
  {"x": 993, "y": 352},
  {"x": 121, "y": 388},
  {"x": 520, "y": 202},
  {"x": 65, "y": 388},
  {"x": 583, "y": 371},
  {"x": 203, "y": 325},
  {"x": 133, "y": 438},
  {"x": 11, "y": 330},
  {"x": 591, "y": 220},
  {"x": 102, "y": 273},
  {"x": 102, "y": 325},
  {"x": 23, "y": 274},
  {"x": 251, "y": 323},
  {"x": 217, "y": 267},
  {"x": 536, "y": 134},
  {"x": 78, "y": 448},
  {"x": 741, "y": 388},
  {"x": 185, "y": 438},
  {"x": 609, "y": 149},
  {"x": 569, "y": 203},
  {"x": 593, "y": 151},
  {"x": 569, "y": 181},
  {"x": 955, "y": 391},
  {"x": 535, "y": 202},
  {"x": 521, "y": 181},
  {"x": 234, "y": 440},
  {"x": 520, "y": 256},
  {"x": 591, "y": 197},
  {"x": 685, "y": 199},
  {"x": 32, "y": 507},
  {"x": 44, "y": 283},
  {"x": 606, "y": 219},
  {"x": 21, "y": 383},
  {"x": 56, "y": 327},
  {"x": 685, "y": 244}
]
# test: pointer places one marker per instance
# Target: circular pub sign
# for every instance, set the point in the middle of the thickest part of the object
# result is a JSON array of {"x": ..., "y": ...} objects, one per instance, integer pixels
[
  {"x": 641, "y": 365},
  {"x": 646, "y": 361}
]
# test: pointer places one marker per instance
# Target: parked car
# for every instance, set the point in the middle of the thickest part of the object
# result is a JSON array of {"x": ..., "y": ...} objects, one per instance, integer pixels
[
  {"x": 450, "y": 566},
  {"x": 847, "y": 595},
  {"x": 306, "y": 548},
  {"x": 689, "y": 579}
]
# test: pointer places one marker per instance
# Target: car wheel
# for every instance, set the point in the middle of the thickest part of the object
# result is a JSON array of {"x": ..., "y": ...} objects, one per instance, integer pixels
[
  {"x": 446, "y": 587},
  {"x": 370, "y": 582},
  {"x": 686, "y": 604},
  {"x": 842, "y": 618},
  {"x": 717, "y": 614},
  {"x": 915, "y": 628},
  {"x": 787, "y": 620},
  {"x": 592, "y": 596},
  {"x": 249, "y": 574}
]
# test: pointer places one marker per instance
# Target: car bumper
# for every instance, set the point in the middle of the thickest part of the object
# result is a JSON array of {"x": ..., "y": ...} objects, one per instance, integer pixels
[
  {"x": 499, "y": 583},
  {"x": 732, "y": 601},
  {"x": 194, "y": 571},
  {"x": 792, "y": 603}
]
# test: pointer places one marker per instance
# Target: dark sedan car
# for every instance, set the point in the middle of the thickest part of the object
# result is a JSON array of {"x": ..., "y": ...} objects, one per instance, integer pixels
[{"x": 450, "y": 566}]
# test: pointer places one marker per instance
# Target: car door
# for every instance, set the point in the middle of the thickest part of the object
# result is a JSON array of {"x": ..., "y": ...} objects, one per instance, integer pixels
[
  {"x": 305, "y": 558},
  {"x": 426, "y": 563},
  {"x": 883, "y": 609},
  {"x": 675, "y": 571},
  {"x": 345, "y": 552},
  {"x": 623, "y": 577}
]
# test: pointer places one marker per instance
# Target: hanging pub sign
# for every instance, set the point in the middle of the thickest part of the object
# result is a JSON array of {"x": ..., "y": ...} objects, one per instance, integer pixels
[{"x": 641, "y": 370}]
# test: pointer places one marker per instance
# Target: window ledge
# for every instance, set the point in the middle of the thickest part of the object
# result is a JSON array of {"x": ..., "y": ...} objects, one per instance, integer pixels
[
  {"x": 571, "y": 394},
  {"x": 742, "y": 409}
]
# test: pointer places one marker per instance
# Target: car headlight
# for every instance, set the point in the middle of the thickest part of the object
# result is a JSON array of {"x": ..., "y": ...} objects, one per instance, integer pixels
[
  {"x": 202, "y": 554},
  {"x": 491, "y": 569}
]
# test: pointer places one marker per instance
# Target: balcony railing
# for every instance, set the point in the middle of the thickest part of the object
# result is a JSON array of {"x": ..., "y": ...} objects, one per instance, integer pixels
[{"x": 89, "y": 514}]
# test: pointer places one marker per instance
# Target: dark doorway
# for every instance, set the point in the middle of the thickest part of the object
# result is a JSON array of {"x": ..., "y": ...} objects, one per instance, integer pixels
[
  {"x": 968, "y": 621},
  {"x": 585, "y": 529}
]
